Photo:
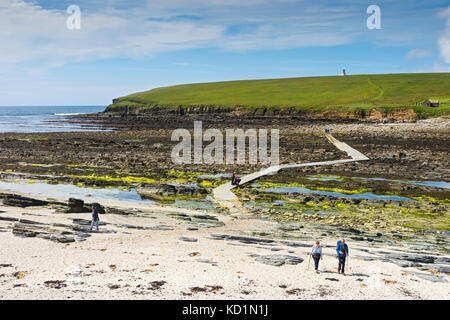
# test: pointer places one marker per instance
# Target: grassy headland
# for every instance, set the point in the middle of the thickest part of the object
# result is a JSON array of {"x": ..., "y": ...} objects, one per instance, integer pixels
[{"x": 357, "y": 93}]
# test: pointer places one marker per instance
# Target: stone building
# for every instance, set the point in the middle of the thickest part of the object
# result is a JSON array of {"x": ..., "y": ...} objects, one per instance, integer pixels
[{"x": 431, "y": 103}]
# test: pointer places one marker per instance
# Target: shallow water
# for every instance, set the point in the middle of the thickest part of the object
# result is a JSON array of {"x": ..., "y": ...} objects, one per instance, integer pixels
[
  {"x": 434, "y": 184},
  {"x": 65, "y": 191},
  {"x": 215, "y": 176},
  {"x": 325, "y": 178},
  {"x": 45, "y": 119},
  {"x": 366, "y": 195}
]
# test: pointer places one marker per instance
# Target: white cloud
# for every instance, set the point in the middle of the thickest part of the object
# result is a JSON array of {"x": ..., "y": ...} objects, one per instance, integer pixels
[
  {"x": 444, "y": 40},
  {"x": 29, "y": 32},
  {"x": 418, "y": 53},
  {"x": 435, "y": 67}
]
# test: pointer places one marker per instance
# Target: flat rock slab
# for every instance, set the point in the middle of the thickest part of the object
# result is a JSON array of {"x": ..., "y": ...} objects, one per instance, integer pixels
[
  {"x": 412, "y": 258},
  {"x": 30, "y": 229},
  {"x": 161, "y": 227},
  {"x": 86, "y": 222},
  {"x": 130, "y": 226},
  {"x": 295, "y": 244},
  {"x": 242, "y": 239},
  {"x": 443, "y": 260},
  {"x": 278, "y": 260},
  {"x": 111, "y": 210},
  {"x": 8, "y": 218},
  {"x": 206, "y": 261},
  {"x": 332, "y": 279},
  {"x": 198, "y": 220},
  {"x": 204, "y": 217},
  {"x": 427, "y": 276},
  {"x": 26, "y": 221},
  {"x": 55, "y": 237},
  {"x": 187, "y": 239},
  {"x": 14, "y": 200},
  {"x": 365, "y": 258},
  {"x": 442, "y": 269}
]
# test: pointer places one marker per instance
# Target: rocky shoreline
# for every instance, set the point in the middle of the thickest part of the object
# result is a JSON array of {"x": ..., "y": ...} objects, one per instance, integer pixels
[
  {"x": 403, "y": 193},
  {"x": 138, "y": 110}
]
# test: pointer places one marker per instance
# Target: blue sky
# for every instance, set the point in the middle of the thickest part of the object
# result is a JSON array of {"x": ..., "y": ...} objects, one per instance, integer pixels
[{"x": 128, "y": 46}]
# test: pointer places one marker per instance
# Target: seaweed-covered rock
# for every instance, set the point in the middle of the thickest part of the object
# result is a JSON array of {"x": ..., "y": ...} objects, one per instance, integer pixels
[
  {"x": 149, "y": 189},
  {"x": 158, "y": 189}
]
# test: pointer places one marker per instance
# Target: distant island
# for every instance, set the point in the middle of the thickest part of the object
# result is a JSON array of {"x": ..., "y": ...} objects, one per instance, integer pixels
[{"x": 353, "y": 96}]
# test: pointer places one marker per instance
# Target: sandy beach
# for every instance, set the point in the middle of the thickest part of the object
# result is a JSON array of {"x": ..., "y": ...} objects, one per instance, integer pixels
[{"x": 174, "y": 259}]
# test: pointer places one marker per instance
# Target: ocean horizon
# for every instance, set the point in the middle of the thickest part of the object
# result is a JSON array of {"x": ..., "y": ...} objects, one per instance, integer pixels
[{"x": 34, "y": 119}]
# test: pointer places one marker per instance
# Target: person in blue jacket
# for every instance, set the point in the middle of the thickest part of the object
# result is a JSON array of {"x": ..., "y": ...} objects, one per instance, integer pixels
[{"x": 342, "y": 254}]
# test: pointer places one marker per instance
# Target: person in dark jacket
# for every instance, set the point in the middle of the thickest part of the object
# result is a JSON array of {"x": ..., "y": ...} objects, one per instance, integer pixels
[
  {"x": 342, "y": 254},
  {"x": 234, "y": 180},
  {"x": 95, "y": 218}
]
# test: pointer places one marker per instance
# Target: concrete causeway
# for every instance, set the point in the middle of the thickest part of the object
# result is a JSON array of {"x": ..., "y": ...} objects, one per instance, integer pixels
[{"x": 227, "y": 199}]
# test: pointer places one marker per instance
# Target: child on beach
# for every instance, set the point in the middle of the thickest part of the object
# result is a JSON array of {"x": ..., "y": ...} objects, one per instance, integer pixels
[{"x": 95, "y": 218}]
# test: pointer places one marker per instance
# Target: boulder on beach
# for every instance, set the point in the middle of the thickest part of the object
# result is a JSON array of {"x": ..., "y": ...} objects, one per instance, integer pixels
[{"x": 78, "y": 206}]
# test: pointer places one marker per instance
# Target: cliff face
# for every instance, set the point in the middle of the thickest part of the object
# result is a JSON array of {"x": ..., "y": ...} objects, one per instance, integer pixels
[
  {"x": 238, "y": 111},
  {"x": 374, "y": 114}
]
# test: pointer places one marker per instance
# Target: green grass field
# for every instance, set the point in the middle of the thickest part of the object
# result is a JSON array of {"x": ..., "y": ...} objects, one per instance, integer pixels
[{"x": 357, "y": 92}]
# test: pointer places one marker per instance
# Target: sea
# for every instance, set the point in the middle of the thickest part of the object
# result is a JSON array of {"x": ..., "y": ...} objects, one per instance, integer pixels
[{"x": 46, "y": 119}]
